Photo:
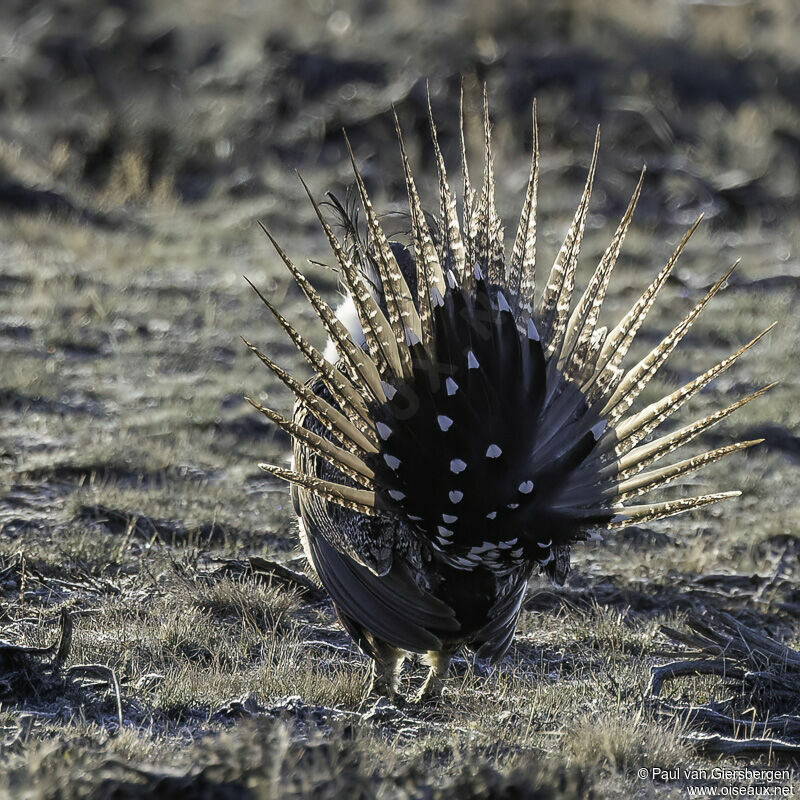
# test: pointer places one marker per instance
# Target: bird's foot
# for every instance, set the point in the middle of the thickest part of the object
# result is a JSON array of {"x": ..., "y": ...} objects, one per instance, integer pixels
[
  {"x": 431, "y": 690},
  {"x": 384, "y": 682}
]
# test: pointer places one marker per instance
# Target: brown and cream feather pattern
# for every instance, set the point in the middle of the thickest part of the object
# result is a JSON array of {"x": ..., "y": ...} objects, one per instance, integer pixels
[{"x": 461, "y": 432}]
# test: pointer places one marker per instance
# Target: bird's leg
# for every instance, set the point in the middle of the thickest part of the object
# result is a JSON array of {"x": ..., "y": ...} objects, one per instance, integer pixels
[
  {"x": 439, "y": 662},
  {"x": 386, "y": 665}
]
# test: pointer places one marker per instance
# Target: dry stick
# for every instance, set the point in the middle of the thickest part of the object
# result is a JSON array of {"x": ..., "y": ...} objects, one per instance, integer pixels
[
  {"x": 739, "y": 652},
  {"x": 265, "y": 568},
  {"x": 785, "y": 723},
  {"x": 676, "y": 669},
  {"x": 59, "y": 649},
  {"x": 126, "y": 539},
  {"x": 714, "y": 743}
]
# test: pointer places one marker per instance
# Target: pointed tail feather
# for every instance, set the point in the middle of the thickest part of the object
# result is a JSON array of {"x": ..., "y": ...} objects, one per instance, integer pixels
[
  {"x": 647, "y": 481},
  {"x": 522, "y": 270},
  {"x": 608, "y": 372},
  {"x": 381, "y": 344},
  {"x": 634, "y": 428},
  {"x": 335, "y": 423},
  {"x": 346, "y": 462},
  {"x": 557, "y": 296},
  {"x": 627, "y": 515},
  {"x": 448, "y": 216},
  {"x": 403, "y": 316},
  {"x": 361, "y": 500},
  {"x": 339, "y": 386},
  {"x": 362, "y": 367},
  {"x": 582, "y": 323},
  {"x": 469, "y": 196},
  {"x": 430, "y": 279},
  {"x": 639, "y": 376},
  {"x": 644, "y": 455}
]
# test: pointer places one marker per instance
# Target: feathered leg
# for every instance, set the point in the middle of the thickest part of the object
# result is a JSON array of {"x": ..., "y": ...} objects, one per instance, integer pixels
[
  {"x": 386, "y": 664},
  {"x": 439, "y": 663}
]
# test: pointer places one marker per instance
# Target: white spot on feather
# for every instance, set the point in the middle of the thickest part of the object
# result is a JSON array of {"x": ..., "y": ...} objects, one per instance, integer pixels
[
  {"x": 396, "y": 495},
  {"x": 436, "y": 297},
  {"x": 526, "y": 487},
  {"x": 547, "y": 560},
  {"x": 599, "y": 429},
  {"x": 472, "y": 362},
  {"x": 444, "y": 532},
  {"x": 411, "y": 337},
  {"x": 444, "y": 422},
  {"x": 457, "y": 465},
  {"x": 503, "y": 303},
  {"x": 449, "y": 518},
  {"x": 384, "y": 431},
  {"x": 491, "y": 515},
  {"x": 478, "y": 272},
  {"x": 451, "y": 386},
  {"x": 493, "y": 451},
  {"x": 513, "y": 506},
  {"x": 455, "y": 496},
  {"x": 451, "y": 279},
  {"x": 388, "y": 390},
  {"x": 507, "y": 545},
  {"x": 393, "y": 462},
  {"x": 532, "y": 332},
  {"x": 545, "y": 545}
]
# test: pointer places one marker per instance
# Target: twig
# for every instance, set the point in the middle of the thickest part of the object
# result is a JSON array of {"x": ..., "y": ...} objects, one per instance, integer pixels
[
  {"x": 714, "y": 743},
  {"x": 59, "y": 649},
  {"x": 262, "y": 568},
  {"x": 677, "y": 669},
  {"x": 787, "y": 724},
  {"x": 728, "y": 648}
]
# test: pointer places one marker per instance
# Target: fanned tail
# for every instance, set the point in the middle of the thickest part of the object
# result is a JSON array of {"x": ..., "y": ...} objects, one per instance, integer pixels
[{"x": 475, "y": 414}]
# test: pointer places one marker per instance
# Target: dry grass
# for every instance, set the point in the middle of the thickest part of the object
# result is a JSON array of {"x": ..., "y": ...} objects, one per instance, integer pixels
[{"x": 128, "y": 456}]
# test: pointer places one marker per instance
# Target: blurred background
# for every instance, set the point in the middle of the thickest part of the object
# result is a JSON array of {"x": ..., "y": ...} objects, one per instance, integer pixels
[
  {"x": 140, "y": 143},
  {"x": 154, "y": 104}
]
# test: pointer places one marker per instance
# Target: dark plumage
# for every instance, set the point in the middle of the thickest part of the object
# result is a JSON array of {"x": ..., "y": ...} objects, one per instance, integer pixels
[{"x": 457, "y": 436}]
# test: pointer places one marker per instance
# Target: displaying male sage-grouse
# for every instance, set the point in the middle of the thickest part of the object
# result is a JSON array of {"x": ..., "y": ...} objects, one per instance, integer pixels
[{"x": 457, "y": 435}]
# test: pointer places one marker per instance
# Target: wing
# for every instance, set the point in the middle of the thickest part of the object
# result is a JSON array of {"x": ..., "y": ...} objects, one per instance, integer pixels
[
  {"x": 367, "y": 540},
  {"x": 496, "y": 636},
  {"x": 353, "y": 556},
  {"x": 391, "y": 607}
]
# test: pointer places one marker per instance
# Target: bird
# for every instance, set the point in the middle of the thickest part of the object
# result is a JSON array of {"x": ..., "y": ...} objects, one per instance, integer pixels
[{"x": 462, "y": 431}]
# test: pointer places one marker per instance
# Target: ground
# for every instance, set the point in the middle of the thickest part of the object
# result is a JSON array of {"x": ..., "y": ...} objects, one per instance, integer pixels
[{"x": 140, "y": 143}]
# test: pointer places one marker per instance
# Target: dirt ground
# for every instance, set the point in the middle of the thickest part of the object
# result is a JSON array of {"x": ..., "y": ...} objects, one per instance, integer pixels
[{"x": 140, "y": 143}]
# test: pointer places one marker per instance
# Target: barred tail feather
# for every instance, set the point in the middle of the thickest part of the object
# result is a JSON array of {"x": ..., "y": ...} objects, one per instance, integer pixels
[
  {"x": 493, "y": 426},
  {"x": 557, "y": 295},
  {"x": 627, "y": 515},
  {"x": 454, "y": 253},
  {"x": 334, "y": 422},
  {"x": 522, "y": 269},
  {"x": 581, "y": 327},
  {"x": 361, "y": 500}
]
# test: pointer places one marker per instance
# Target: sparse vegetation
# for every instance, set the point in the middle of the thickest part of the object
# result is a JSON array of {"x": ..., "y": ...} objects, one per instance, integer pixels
[{"x": 139, "y": 142}]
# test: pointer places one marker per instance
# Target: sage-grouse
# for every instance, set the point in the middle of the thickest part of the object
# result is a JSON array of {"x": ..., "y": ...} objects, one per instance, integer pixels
[{"x": 457, "y": 435}]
